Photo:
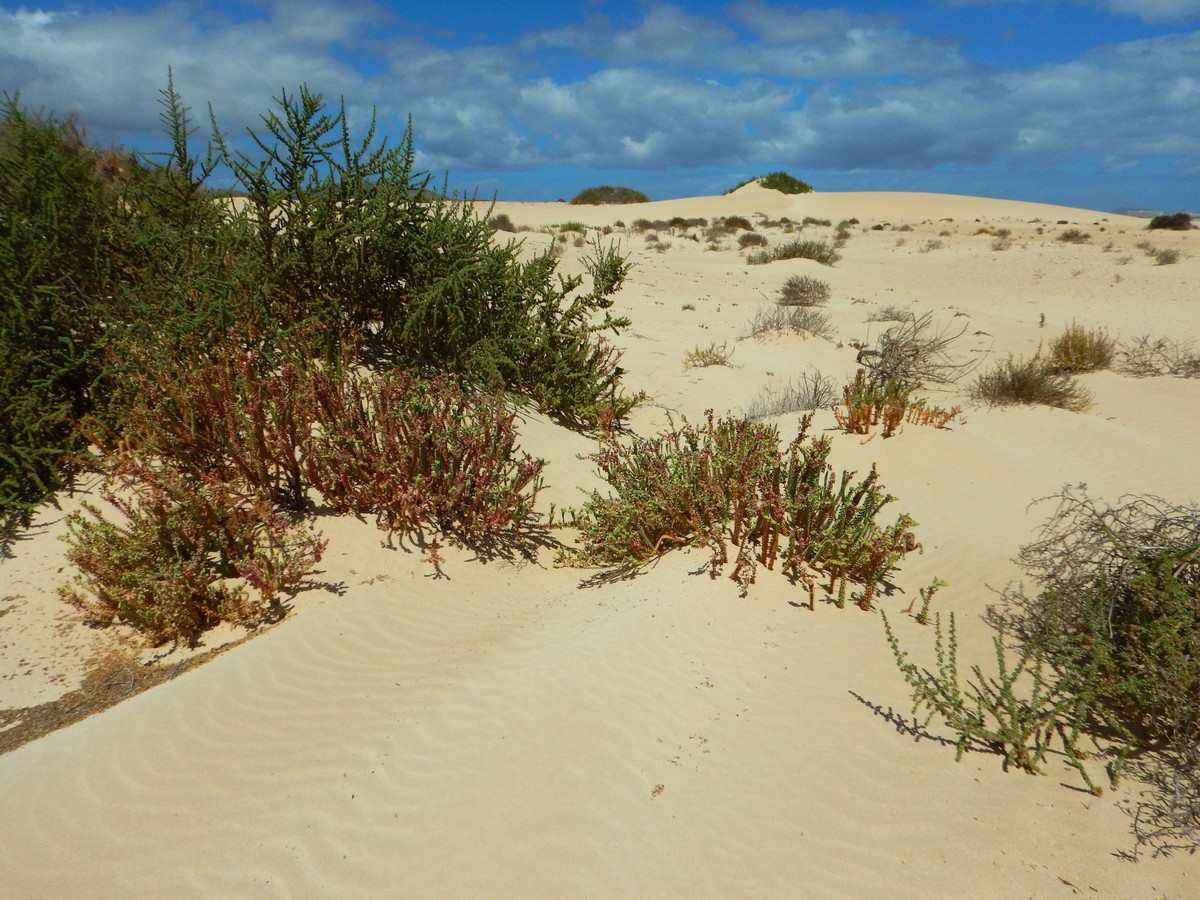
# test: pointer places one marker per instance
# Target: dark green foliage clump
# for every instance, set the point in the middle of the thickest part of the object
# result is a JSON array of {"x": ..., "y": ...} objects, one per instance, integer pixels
[
  {"x": 330, "y": 325},
  {"x": 818, "y": 251},
  {"x": 785, "y": 183},
  {"x": 330, "y": 248},
  {"x": 777, "y": 181},
  {"x": 727, "y": 486},
  {"x": 58, "y": 202},
  {"x": 1179, "y": 221},
  {"x": 607, "y": 194}
]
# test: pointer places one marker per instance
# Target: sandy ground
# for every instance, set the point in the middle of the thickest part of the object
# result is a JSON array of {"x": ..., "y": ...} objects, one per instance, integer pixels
[{"x": 526, "y": 730}]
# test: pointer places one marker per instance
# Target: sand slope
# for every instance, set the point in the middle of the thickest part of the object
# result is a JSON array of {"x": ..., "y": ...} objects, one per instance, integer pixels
[{"x": 520, "y": 730}]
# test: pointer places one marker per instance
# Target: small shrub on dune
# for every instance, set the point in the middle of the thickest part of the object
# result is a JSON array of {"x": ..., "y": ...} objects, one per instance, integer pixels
[
  {"x": 818, "y": 251},
  {"x": 1080, "y": 349},
  {"x": 1116, "y": 613},
  {"x": 890, "y": 313},
  {"x": 869, "y": 401},
  {"x": 736, "y": 223},
  {"x": 195, "y": 550},
  {"x": 914, "y": 352},
  {"x": 727, "y": 486},
  {"x": 1073, "y": 236},
  {"x": 712, "y": 355},
  {"x": 793, "y": 318},
  {"x": 607, "y": 194},
  {"x": 421, "y": 456},
  {"x": 501, "y": 222},
  {"x": 1145, "y": 356},
  {"x": 804, "y": 290},
  {"x": 751, "y": 239},
  {"x": 804, "y": 393},
  {"x": 1029, "y": 381},
  {"x": 1179, "y": 221}
]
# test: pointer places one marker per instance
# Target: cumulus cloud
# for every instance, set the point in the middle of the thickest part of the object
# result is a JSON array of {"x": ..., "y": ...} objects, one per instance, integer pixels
[
  {"x": 1146, "y": 10},
  {"x": 1153, "y": 10},
  {"x": 757, "y": 85}
]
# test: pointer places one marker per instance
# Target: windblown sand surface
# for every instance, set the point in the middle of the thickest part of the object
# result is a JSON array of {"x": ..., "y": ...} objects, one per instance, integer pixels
[{"x": 527, "y": 731}]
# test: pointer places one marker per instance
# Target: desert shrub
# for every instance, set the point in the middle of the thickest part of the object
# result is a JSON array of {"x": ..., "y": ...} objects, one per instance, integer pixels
[
  {"x": 58, "y": 218},
  {"x": 871, "y": 401},
  {"x": 804, "y": 290},
  {"x": 819, "y": 251},
  {"x": 421, "y": 456},
  {"x": 793, "y": 318},
  {"x": 712, "y": 355},
  {"x": 1179, "y": 221},
  {"x": 785, "y": 183},
  {"x": 808, "y": 391},
  {"x": 501, "y": 222},
  {"x": 890, "y": 313},
  {"x": 365, "y": 251},
  {"x": 726, "y": 485},
  {"x": 194, "y": 550},
  {"x": 1144, "y": 356},
  {"x": 1073, "y": 236},
  {"x": 752, "y": 239},
  {"x": 1016, "y": 713},
  {"x": 1029, "y": 381},
  {"x": 241, "y": 413},
  {"x": 606, "y": 194},
  {"x": 820, "y": 223},
  {"x": 1166, "y": 256},
  {"x": 1117, "y": 609},
  {"x": 734, "y": 223},
  {"x": 914, "y": 352},
  {"x": 1080, "y": 349}
]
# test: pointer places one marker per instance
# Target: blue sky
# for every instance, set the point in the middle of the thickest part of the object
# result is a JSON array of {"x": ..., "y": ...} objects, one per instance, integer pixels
[{"x": 1092, "y": 103}]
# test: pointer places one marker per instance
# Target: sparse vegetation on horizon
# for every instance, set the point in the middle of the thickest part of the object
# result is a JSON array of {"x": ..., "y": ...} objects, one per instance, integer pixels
[
  {"x": 777, "y": 181},
  {"x": 607, "y": 194}
]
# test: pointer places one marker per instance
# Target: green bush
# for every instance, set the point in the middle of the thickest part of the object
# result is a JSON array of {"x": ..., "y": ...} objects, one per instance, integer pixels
[
  {"x": 785, "y": 183},
  {"x": 819, "y": 251},
  {"x": 1118, "y": 609},
  {"x": 1079, "y": 349},
  {"x": 330, "y": 246},
  {"x": 195, "y": 550},
  {"x": 1179, "y": 221},
  {"x": 777, "y": 181},
  {"x": 606, "y": 194},
  {"x": 1029, "y": 381},
  {"x": 58, "y": 221},
  {"x": 727, "y": 486}
]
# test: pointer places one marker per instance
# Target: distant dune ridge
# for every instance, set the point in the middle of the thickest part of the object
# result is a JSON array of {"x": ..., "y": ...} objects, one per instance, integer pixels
[{"x": 527, "y": 730}]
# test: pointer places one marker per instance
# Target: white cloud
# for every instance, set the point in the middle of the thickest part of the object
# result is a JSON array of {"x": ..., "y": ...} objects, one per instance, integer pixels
[
  {"x": 766, "y": 86},
  {"x": 1153, "y": 10}
]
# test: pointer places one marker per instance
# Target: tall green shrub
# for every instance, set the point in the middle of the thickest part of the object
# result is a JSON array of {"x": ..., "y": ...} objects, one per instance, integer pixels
[{"x": 56, "y": 210}]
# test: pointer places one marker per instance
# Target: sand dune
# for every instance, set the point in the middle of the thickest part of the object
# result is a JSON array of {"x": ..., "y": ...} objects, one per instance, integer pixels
[{"x": 510, "y": 730}]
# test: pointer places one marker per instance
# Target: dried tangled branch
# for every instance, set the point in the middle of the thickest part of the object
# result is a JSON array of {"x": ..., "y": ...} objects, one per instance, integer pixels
[{"x": 914, "y": 352}]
